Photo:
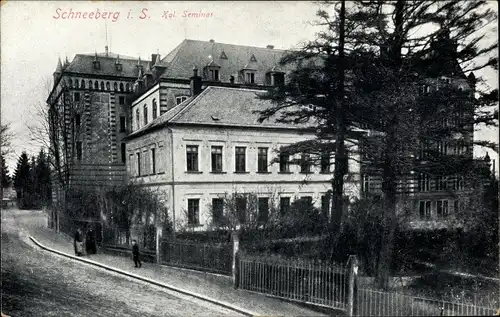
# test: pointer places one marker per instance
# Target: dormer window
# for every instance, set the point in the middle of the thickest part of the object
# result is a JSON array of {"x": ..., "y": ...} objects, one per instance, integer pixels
[
  {"x": 119, "y": 66},
  {"x": 212, "y": 71},
  {"x": 249, "y": 77},
  {"x": 97, "y": 64}
]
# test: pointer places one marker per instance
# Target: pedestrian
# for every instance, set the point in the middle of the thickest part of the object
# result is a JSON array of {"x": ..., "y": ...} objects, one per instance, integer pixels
[
  {"x": 136, "y": 254},
  {"x": 78, "y": 243},
  {"x": 90, "y": 242}
]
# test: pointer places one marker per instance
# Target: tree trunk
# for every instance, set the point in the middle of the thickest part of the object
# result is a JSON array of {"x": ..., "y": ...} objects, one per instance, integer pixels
[{"x": 340, "y": 153}]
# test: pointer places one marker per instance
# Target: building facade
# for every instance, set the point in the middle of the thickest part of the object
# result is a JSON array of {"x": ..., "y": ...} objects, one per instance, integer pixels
[{"x": 212, "y": 145}]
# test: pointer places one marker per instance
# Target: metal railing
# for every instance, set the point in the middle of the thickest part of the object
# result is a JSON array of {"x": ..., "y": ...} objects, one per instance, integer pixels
[
  {"x": 210, "y": 257},
  {"x": 381, "y": 303},
  {"x": 313, "y": 282}
]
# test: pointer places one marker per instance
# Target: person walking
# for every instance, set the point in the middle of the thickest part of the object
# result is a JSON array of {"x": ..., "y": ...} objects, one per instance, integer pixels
[
  {"x": 136, "y": 254},
  {"x": 90, "y": 242},
  {"x": 78, "y": 242}
]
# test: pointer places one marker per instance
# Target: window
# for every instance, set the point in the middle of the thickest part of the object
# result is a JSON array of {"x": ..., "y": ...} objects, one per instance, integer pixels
[
  {"x": 138, "y": 164},
  {"x": 325, "y": 162},
  {"x": 263, "y": 209},
  {"x": 121, "y": 100},
  {"x": 121, "y": 87},
  {"x": 102, "y": 85},
  {"x": 250, "y": 78},
  {"x": 96, "y": 85},
  {"x": 108, "y": 87},
  {"x": 442, "y": 208},
  {"x": 123, "y": 126},
  {"x": 123, "y": 152},
  {"x": 90, "y": 84},
  {"x": 79, "y": 150},
  {"x": 192, "y": 158},
  {"x": 423, "y": 182},
  {"x": 262, "y": 159},
  {"x": 115, "y": 87},
  {"x": 127, "y": 86},
  {"x": 180, "y": 99},
  {"x": 284, "y": 205},
  {"x": 240, "y": 159},
  {"x": 217, "y": 159},
  {"x": 78, "y": 119},
  {"x": 304, "y": 163},
  {"x": 153, "y": 161},
  {"x": 217, "y": 210},
  {"x": 82, "y": 84},
  {"x": 137, "y": 117},
  {"x": 214, "y": 74},
  {"x": 425, "y": 89},
  {"x": 279, "y": 79},
  {"x": 284, "y": 163},
  {"x": 442, "y": 148},
  {"x": 77, "y": 82},
  {"x": 307, "y": 199},
  {"x": 325, "y": 205},
  {"x": 145, "y": 114},
  {"x": 458, "y": 183},
  {"x": 193, "y": 212},
  {"x": 155, "y": 109},
  {"x": 241, "y": 206},
  {"x": 441, "y": 182},
  {"x": 77, "y": 96},
  {"x": 425, "y": 209}
]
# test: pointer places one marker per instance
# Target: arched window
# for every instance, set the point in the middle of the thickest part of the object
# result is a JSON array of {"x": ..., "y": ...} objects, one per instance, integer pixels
[
  {"x": 102, "y": 85},
  {"x": 90, "y": 84},
  {"x": 108, "y": 87},
  {"x": 155, "y": 109},
  {"x": 137, "y": 118},
  {"x": 115, "y": 86},
  {"x": 121, "y": 86},
  {"x": 96, "y": 85},
  {"x": 128, "y": 87},
  {"x": 83, "y": 84},
  {"x": 145, "y": 114},
  {"x": 70, "y": 83},
  {"x": 76, "y": 83}
]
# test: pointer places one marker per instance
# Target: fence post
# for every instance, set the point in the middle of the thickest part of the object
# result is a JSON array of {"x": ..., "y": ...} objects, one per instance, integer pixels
[
  {"x": 235, "y": 265},
  {"x": 353, "y": 273},
  {"x": 158, "y": 244}
]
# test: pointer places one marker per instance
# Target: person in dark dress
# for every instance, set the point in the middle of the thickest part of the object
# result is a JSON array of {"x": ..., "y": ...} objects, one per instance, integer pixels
[
  {"x": 78, "y": 242},
  {"x": 136, "y": 254},
  {"x": 90, "y": 242}
]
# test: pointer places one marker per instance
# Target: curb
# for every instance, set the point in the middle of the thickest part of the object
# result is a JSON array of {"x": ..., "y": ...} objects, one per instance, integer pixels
[{"x": 147, "y": 280}]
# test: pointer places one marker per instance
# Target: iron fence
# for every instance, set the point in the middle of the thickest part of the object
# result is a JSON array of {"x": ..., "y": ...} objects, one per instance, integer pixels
[
  {"x": 380, "y": 303},
  {"x": 211, "y": 257},
  {"x": 314, "y": 282}
]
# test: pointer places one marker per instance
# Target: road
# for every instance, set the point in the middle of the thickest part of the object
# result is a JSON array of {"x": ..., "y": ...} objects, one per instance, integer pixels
[{"x": 38, "y": 283}]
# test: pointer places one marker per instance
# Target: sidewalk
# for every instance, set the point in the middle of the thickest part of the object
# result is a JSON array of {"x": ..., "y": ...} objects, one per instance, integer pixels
[{"x": 216, "y": 287}]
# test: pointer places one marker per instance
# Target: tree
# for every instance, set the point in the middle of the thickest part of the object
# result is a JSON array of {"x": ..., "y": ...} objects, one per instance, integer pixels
[
  {"x": 387, "y": 62},
  {"x": 23, "y": 181},
  {"x": 5, "y": 140}
]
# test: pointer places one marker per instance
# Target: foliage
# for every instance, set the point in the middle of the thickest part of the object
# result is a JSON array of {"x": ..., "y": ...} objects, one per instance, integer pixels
[
  {"x": 5, "y": 140},
  {"x": 32, "y": 181},
  {"x": 386, "y": 63},
  {"x": 6, "y": 180}
]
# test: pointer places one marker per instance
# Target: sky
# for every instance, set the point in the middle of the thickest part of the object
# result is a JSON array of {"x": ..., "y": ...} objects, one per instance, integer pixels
[{"x": 35, "y": 34}]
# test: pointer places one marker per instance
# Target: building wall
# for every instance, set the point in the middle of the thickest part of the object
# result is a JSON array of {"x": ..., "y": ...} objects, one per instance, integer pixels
[{"x": 172, "y": 179}]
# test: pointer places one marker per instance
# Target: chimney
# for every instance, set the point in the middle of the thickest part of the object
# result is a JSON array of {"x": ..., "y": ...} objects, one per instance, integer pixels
[
  {"x": 106, "y": 50},
  {"x": 195, "y": 82},
  {"x": 153, "y": 59},
  {"x": 212, "y": 41},
  {"x": 270, "y": 47}
]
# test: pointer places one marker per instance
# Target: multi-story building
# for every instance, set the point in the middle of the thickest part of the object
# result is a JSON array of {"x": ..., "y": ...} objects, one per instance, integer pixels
[
  {"x": 433, "y": 198},
  {"x": 213, "y": 144}
]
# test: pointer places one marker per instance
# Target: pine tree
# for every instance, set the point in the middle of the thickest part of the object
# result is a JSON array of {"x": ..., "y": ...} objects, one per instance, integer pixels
[
  {"x": 386, "y": 64},
  {"x": 22, "y": 180}
]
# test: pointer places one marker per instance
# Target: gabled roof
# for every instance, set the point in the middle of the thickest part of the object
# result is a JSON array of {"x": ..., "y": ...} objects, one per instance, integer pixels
[
  {"x": 191, "y": 53},
  {"x": 220, "y": 106},
  {"x": 83, "y": 64}
]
